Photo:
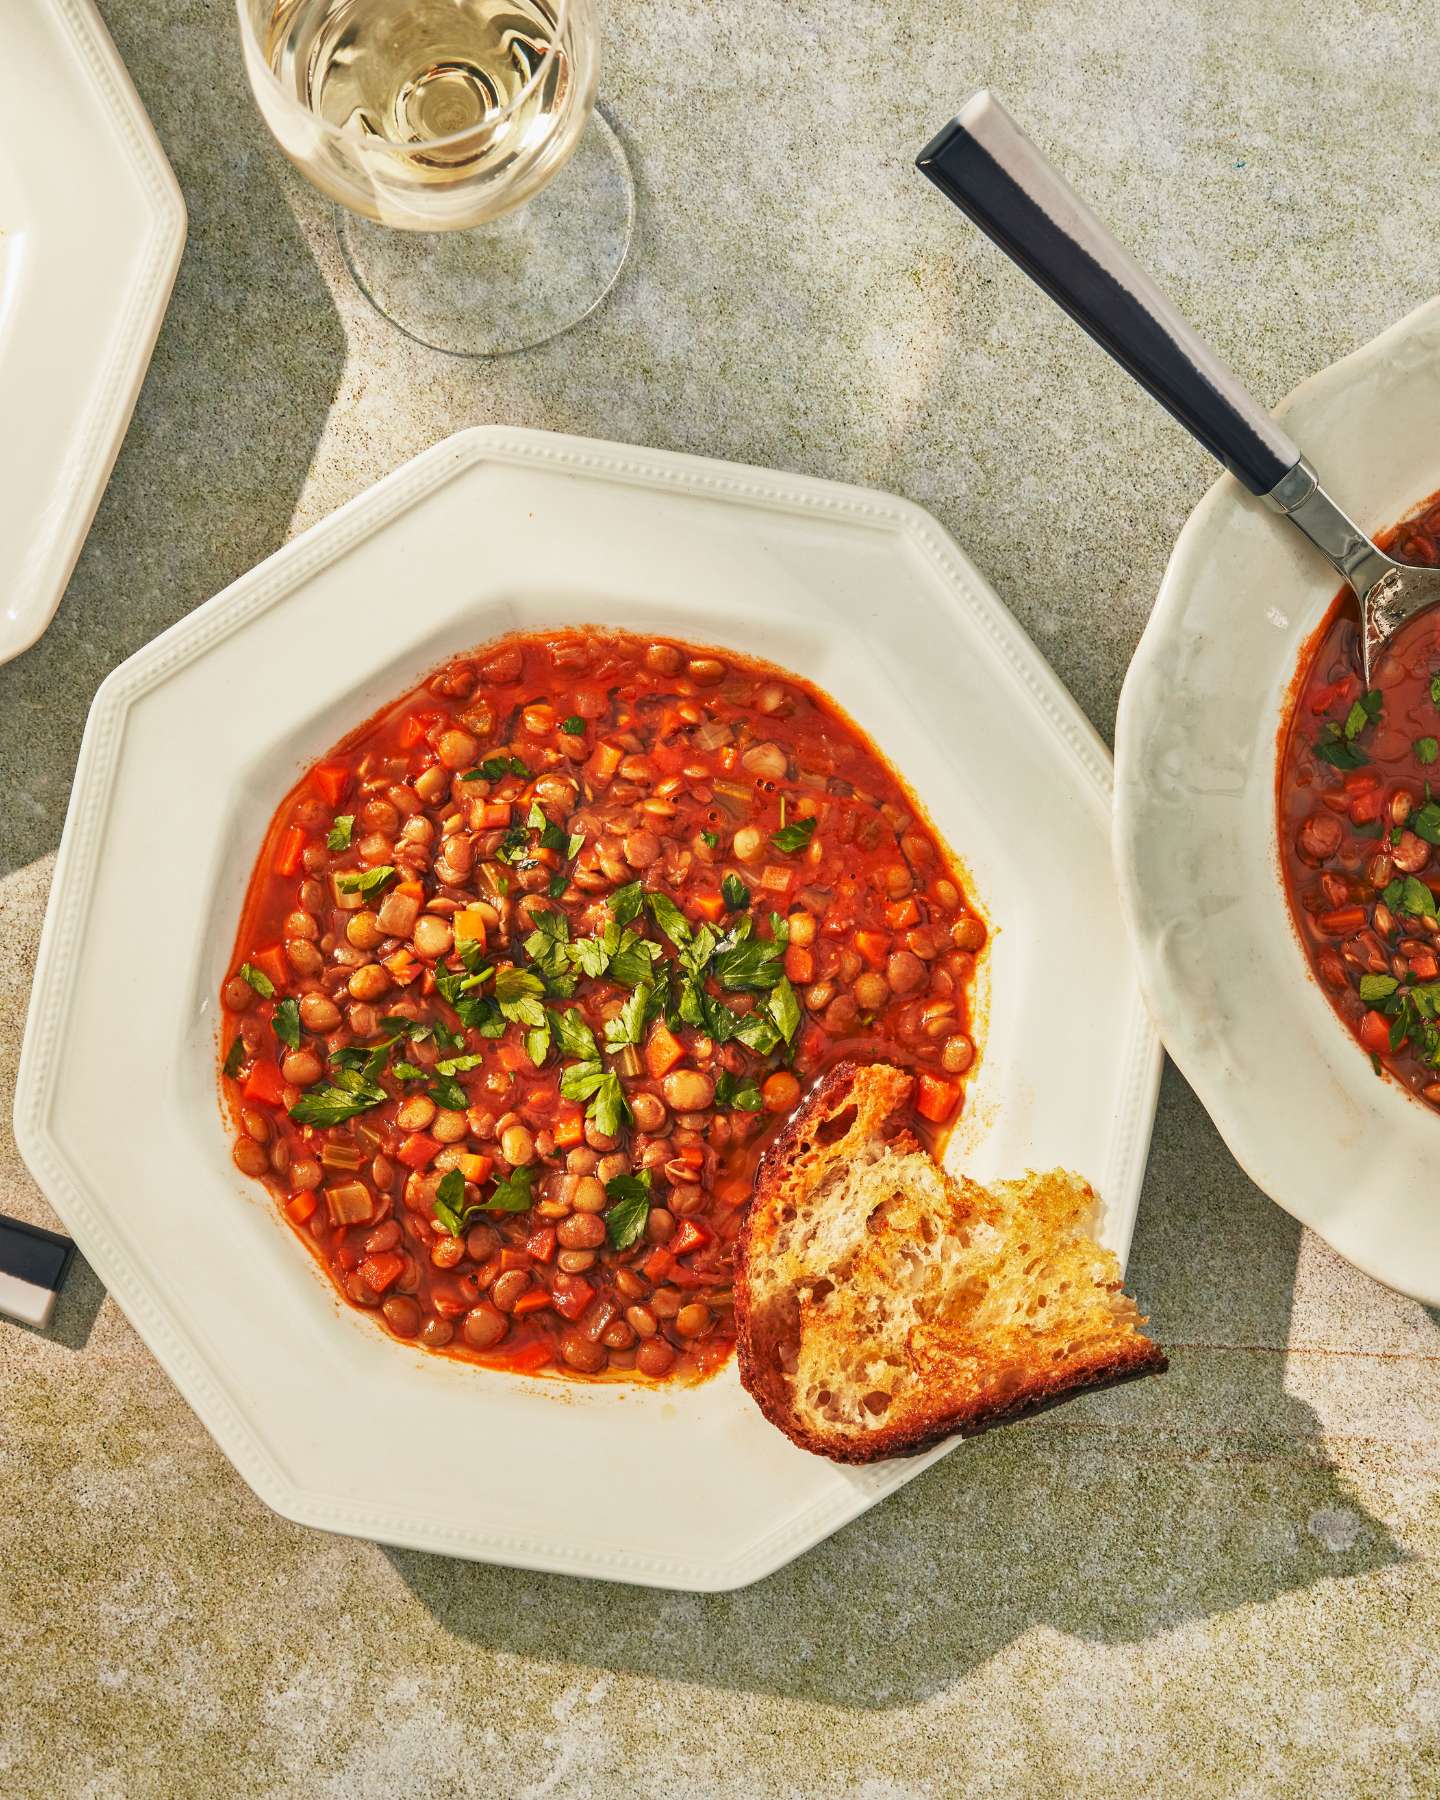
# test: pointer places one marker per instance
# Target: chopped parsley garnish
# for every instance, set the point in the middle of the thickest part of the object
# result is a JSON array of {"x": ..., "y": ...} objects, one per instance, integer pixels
[
  {"x": 629, "y": 1210},
  {"x": 557, "y": 886},
  {"x": 511, "y": 1193},
  {"x": 628, "y": 1026},
  {"x": 496, "y": 768},
  {"x": 286, "y": 1023},
  {"x": 1425, "y": 823},
  {"x": 448, "y": 1095},
  {"x": 600, "y": 1087},
  {"x": 350, "y": 1095},
  {"x": 258, "y": 980},
  {"x": 574, "y": 726},
  {"x": 338, "y": 837},
  {"x": 1364, "y": 712},
  {"x": 1331, "y": 747},
  {"x": 753, "y": 964},
  {"x": 734, "y": 893},
  {"x": 450, "y": 1208},
  {"x": 791, "y": 838},
  {"x": 234, "y": 1057},
  {"x": 573, "y": 1035},
  {"x": 1408, "y": 894},
  {"x": 626, "y": 902},
  {"x": 668, "y": 916},
  {"x": 709, "y": 838},
  {"x": 1427, "y": 749},
  {"x": 1377, "y": 987},
  {"x": 1435, "y": 690},
  {"x": 742, "y": 1096},
  {"x": 365, "y": 881}
]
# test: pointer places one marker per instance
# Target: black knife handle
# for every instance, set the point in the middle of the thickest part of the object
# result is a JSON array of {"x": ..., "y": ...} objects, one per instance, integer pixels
[{"x": 990, "y": 169}]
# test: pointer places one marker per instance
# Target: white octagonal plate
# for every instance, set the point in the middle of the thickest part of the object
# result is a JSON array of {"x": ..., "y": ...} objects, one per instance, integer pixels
[
  {"x": 189, "y": 748},
  {"x": 91, "y": 229},
  {"x": 1290, "y": 1090}
]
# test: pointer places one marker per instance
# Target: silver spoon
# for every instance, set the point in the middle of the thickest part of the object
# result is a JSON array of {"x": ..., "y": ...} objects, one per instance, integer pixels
[{"x": 990, "y": 169}]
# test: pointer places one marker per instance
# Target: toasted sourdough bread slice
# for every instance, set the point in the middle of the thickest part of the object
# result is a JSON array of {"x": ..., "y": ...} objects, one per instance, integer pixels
[{"x": 882, "y": 1305}]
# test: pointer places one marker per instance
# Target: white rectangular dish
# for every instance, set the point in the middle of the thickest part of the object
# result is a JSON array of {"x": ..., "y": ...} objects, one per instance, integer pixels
[
  {"x": 191, "y": 744},
  {"x": 91, "y": 230}
]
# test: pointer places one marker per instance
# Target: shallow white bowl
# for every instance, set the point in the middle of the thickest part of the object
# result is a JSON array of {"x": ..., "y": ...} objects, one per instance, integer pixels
[
  {"x": 192, "y": 743},
  {"x": 91, "y": 230},
  {"x": 1293, "y": 1095}
]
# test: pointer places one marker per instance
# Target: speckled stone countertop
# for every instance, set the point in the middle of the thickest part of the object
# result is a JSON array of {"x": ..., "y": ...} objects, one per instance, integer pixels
[{"x": 1223, "y": 1583}]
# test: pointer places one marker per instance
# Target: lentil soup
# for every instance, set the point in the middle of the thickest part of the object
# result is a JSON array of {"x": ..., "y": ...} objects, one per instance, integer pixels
[
  {"x": 534, "y": 964},
  {"x": 1359, "y": 827}
]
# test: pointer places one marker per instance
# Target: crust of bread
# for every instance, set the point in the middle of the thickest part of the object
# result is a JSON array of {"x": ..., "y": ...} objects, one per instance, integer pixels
[{"x": 861, "y": 1250}]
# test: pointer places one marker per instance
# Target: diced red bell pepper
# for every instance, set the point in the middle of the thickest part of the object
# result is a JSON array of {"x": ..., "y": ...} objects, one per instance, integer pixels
[
  {"x": 381, "y": 1272},
  {"x": 534, "y": 1299},
  {"x": 659, "y": 1265},
  {"x": 271, "y": 961},
  {"x": 418, "y": 1150},
  {"x": 292, "y": 847},
  {"x": 570, "y": 1130},
  {"x": 570, "y": 1302},
  {"x": 332, "y": 779},
  {"x": 527, "y": 1358},
  {"x": 874, "y": 946},
  {"x": 688, "y": 1236},
  {"x": 265, "y": 1083},
  {"x": 1375, "y": 1032},
  {"x": 541, "y": 1243},
  {"x": 935, "y": 1099},
  {"x": 662, "y": 1050}
]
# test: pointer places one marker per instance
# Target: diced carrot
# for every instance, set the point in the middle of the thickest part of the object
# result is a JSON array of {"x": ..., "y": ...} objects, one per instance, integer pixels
[
  {"x": 682, "y": 1275},
  {"x": 271, "y": 961},
  {"x": 669, "y": 758},
  {"x": 1361, "y": 781},
  {"x": 776, "y": 879},
  {"x": 709, "y": 906},
  {"x": 1365, "y": 808},
  {"x": 419, "y": 1150},
  {"x": 659, "y": 1265},
  {"x": 874, "y": 946},
  {"x": 380, "y": 1272},
  {"x": 728, "y": 758},
  {"x": 688, "y": 1236},
  {"x": 417, "y": 727},
  {"x": 412, "y": 890},
  {"x": 733, "y": 1190},
  {"x": 605, "y": 759},
  {"x": 1375, "y": 1032},
  {"x": 292, "y": 846},
  {"x": 512, "y": 1057},
  {"x": 541, "y": 1243},
  {"x": 800, "y": 964},
  {"x": 534, "y": 1299},
  {"x": 469, "y": 925},
  {"x": 300, "y": 1208},
  {"x": 570, "y": 1130},
  {"x": 513, "y": 1259},
  {"x": 265, "y": 1083},
  {"x": 539, "y": 718},
  {"x": 403, "y": 965},
  {"x": 935, "y": 1099},
  {"x": 662, "y": 1050},
  {"x": 332, "y": 779},
  {"x": 1424, "y": 967},
  {"x": 694, "y": 1154},
  {"x": 475, "y": 1168},
  {"x": 572, "y": 1301},
  {"x": 494, "y": 814},
  {"x": 1343, "y": 921},
  {"x": 900, "y": 913},
  {"x": 528, "y": 1357}
]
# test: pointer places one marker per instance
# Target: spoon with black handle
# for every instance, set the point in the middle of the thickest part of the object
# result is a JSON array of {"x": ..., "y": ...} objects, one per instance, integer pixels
[{"x": 990, "y": 169}]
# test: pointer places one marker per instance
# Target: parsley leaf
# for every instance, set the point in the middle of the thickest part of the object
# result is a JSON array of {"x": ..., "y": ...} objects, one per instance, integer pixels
[
  {"x": 449, "y": 1203},
  {"x": 448, "y": 1094},
  {"x": 511, "y": 1193},
  {"x": 709, "y": 838},
  {"x": 1377, "y": 987},
  {"x": 742, "y": 1096},
  {"x": 258, "y": 980},
  {"x": 573, "y": 1035},
  {"x": 629, "y": 1211},
  {"x": 557, "y": 886},
  {"x": 784, "y": 1009},
  {"x": 517, "y": 993},
  {"x": 326, "y": 1106},
  {"x": 365, "y": 881},
  {"x": 791, "y": 838},
  {"x": 734, "y": 893},
  {"x": 1427, "y": 749},
  {"x": 588, "y": 1081},
  {"x": 626, "y": 902},
  {"x": 628, "y": 1027},
  {"x": 668, "y": 916},
  {"x": 1425, "y": 824},
  {"x": 286, "y": 1023},
  {"x": 1331, "y": 747},
  {"x": 753, "y": 963},
  {"x": 574, "y": 726},
  {"x": 1408, "y": 894},
  {"x": 1435, "y": 690},
  {"x": 338, "y": 837},
  {"x": 234, "y": 1057},
  {"x": 1365, "y": 711}
]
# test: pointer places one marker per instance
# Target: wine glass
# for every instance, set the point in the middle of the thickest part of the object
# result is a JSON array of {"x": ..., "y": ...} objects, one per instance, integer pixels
[{"x": 484, "y": 203}]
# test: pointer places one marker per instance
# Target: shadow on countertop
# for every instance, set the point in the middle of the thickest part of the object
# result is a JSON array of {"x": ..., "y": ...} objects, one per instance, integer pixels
[
  {"x": 245, "y": 369},
  {"x": 1114, "y": 1519}
]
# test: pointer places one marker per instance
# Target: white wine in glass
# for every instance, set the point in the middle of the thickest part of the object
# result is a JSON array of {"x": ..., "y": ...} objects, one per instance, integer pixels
[{"x": 487, "y": 206}]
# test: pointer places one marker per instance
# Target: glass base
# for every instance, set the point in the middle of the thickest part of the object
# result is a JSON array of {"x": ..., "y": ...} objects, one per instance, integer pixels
[{"x": 516, "y": 282}]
